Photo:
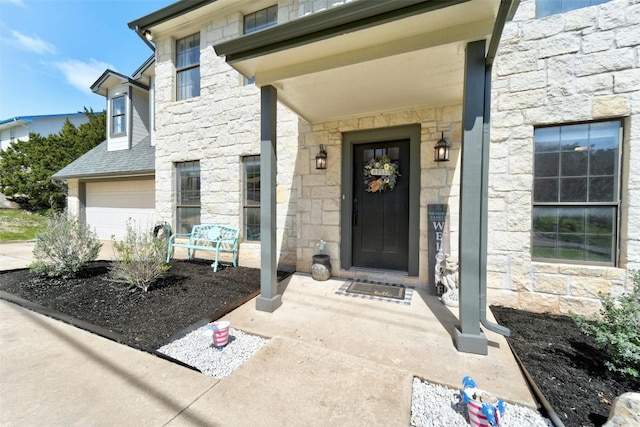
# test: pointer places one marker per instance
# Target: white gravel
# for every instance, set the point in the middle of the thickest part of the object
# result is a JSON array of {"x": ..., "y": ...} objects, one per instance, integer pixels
[
  {"x": 432, "y": 405},
  {"x": 196, "y": 349}
]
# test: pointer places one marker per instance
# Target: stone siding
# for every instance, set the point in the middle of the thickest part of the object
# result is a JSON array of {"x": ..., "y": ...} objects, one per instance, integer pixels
[
  {"x": 219, "y": 128},
  {"x": 577, "y": 66},
  {"x": 319, "y": 199}
]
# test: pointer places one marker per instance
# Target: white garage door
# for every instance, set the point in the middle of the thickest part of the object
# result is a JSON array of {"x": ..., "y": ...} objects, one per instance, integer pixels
[{"x": 109, "y": 204}]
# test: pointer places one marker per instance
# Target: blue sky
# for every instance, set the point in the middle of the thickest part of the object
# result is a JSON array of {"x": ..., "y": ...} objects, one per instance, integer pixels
[{"x": 52, "y": 51}]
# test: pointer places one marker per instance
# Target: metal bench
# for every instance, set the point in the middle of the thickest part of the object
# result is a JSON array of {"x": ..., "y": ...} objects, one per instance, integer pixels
[{"x": 208, "y": 237}]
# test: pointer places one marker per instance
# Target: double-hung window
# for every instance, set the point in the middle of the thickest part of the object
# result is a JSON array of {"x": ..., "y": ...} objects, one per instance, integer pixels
[
  {"x": 552, "y": 7},
  {"x": 188, "y": 67},
  {"x": 576, "y": 192},
  {"x": 118, "y": 116},
  {"x": 188, "y": 196},
  {"x": 251, "y": 198},
  {"x": 257, "y": 21}
]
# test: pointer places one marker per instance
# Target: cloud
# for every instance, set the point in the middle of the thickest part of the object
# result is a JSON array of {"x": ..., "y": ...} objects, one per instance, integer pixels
[
  {"x": 82, "y": 74},
  {"x": 16, "y": 2},
  {"x": 33, "y": 44}
]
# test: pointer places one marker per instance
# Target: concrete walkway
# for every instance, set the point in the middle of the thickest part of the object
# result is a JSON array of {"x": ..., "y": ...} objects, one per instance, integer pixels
[{"x": 332, "y": 360}]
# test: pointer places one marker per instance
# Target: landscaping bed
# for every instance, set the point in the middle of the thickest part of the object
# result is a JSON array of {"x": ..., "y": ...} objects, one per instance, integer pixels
[{"x": 563, "y": 362}]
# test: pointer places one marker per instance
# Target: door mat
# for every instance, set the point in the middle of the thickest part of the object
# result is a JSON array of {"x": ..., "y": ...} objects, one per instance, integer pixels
[{"x": 391, "y": 292}]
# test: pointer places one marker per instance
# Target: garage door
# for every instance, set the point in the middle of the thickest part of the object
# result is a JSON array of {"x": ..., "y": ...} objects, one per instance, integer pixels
[{"x": 110, "y": 203}]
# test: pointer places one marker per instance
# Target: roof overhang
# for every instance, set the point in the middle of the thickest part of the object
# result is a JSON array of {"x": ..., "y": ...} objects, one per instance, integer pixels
[
  {"x": 110, "y": 79},
  {"x": 369, "y": 57}
]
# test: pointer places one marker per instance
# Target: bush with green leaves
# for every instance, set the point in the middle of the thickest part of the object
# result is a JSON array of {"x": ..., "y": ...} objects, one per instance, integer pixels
[
  {"x": 617, "y": 330},
  {"x": 140, "y": 258},
  {"x": 64, "y": 247}
]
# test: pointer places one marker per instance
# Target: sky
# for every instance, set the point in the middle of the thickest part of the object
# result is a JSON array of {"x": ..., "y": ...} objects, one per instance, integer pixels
[{"x": 52, "y": 51}]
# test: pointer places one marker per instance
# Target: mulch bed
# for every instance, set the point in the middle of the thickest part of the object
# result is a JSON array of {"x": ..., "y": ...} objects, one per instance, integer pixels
[
  {"x": 189, "y": 293},
  {"x": 565, "y": 365}
]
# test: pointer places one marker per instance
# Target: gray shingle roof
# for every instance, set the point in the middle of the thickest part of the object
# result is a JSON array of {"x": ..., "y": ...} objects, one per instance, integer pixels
[{"x": 97, "y": 162}]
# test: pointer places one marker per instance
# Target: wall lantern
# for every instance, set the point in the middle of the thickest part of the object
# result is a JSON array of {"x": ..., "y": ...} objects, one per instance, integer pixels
[
  {"x": 321, "y": 158},
  {"x": 441, "y": 150},
  {"x": 148, "y": 35}
]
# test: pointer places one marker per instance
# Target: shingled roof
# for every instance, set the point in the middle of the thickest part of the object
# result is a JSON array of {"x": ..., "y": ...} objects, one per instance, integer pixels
[{"x": 98, "y": 162}]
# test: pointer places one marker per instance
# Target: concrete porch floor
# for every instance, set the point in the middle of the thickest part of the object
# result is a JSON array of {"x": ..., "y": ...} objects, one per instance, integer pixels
[{"x": 416, "y": 337}]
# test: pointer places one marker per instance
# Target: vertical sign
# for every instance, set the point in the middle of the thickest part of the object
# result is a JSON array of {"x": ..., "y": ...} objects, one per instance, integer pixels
[{"x": 437, "y": 229}]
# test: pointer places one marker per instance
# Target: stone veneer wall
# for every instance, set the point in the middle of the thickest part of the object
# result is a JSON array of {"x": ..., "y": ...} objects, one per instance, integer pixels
[
  {"x": 319, "y": 198},
  {"x": 218, "y": 128},
  {"x": 578, "y": 66}
]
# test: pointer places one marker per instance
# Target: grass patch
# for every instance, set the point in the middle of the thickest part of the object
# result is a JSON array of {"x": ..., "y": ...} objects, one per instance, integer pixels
[{"x": 16, "y": 224}]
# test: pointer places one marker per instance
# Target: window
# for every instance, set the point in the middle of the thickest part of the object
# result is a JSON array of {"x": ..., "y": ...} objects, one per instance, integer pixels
[
  {"x": 118, "y": 118},
  {"x": 261, "y": 19},
  {"x": 257, "y": 21},
  {"x": 188, "y": 196},
  {"x": 188, "y": 67},
  {"x": 551, "y": 7},
  {"x": 576, "y": 192},
  {"x": 251, "y": 198}
]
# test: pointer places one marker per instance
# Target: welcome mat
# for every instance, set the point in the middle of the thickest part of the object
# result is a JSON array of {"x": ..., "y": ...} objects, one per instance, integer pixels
[{"x": 391, "y": 292}]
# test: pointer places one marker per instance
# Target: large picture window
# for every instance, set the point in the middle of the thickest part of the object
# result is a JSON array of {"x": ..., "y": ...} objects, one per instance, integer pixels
[
  {"x": 118, "y": 116},
  {"x": 188, "y": 196},
  {"x": 251, "y": 198},
  {"x": 188, "y": 67},
  {"x": 576, "y": 192}
]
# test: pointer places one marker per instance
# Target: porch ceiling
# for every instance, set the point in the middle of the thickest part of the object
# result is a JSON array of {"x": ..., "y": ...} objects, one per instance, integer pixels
[{"x": 406, "y": 62}]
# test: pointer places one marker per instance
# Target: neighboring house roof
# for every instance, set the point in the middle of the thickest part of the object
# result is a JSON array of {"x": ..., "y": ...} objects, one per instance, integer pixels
[
  {"x": 30, "y": 119},
  {"x": 139, "y": 160}
]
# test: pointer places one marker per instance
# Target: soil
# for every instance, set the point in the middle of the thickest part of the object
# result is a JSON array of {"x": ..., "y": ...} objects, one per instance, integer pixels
[
  {"x": 565, "y": 365},
  {"x": 563, "y": 362}
]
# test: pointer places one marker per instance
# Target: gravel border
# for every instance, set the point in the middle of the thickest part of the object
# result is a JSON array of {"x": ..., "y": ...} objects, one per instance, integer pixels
[{"x": 432, "y": 405}]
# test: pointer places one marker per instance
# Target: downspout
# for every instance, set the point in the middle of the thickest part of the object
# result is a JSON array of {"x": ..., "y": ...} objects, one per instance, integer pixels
[
  {"x": 144, "y": 39},
  {"x": 505, "y": 12}
]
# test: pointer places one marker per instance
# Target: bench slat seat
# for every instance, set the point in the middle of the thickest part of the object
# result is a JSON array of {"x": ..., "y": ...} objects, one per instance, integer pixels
[{"x": 208, "y": 237}]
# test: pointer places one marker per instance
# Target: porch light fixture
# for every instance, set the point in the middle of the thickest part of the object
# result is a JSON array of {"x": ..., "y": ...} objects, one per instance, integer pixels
[
  {"x": 321, "y": 158},
  {"x": 441, "y": 150},
  {"x": 148, "y": 35}
]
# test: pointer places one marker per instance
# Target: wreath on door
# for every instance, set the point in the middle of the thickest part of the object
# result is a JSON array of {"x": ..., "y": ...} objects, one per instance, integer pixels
[{"x": 380, "y": 175}]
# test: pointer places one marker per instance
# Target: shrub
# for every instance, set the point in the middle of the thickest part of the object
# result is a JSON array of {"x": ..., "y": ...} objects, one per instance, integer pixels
[
  {"x": 64, "y": 247},
  {"x": 617, "y": 331},
  {"x": 140, "y": 258}
]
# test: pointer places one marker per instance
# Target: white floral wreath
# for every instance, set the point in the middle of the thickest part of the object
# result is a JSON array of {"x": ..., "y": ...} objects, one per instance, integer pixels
[{"x": 380, "y": 175}]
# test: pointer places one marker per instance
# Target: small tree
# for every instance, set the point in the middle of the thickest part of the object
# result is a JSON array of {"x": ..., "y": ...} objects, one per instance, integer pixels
[
  {"x": 64, "y": 247},
  {"x": 140, "y": 258},
  {"x": 26, "y": 167},
  {"x": 617, "y": 330}
]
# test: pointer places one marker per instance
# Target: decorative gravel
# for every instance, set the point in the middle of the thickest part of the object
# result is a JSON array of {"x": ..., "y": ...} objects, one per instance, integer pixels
[
  {"x": 434, "y": 405},
  {"x": 196, "y": 349}
]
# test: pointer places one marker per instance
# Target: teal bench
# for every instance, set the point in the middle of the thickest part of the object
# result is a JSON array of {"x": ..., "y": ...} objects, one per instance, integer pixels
[{"x": 208, "y": 237}]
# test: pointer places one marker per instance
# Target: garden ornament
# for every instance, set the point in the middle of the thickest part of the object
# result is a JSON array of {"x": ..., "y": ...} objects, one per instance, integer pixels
[{"x": 484, "y": 408}]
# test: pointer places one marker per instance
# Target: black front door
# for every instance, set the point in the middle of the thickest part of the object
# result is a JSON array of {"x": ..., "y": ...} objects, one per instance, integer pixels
[{"x": 380, "y": 213}]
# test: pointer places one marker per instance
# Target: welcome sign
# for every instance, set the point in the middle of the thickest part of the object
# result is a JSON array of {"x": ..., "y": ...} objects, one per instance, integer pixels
[{"x": 438, "y": 231}]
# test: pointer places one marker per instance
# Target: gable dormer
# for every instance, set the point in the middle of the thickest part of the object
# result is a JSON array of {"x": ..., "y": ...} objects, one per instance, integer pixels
[{"x": 128, "y": 106}]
